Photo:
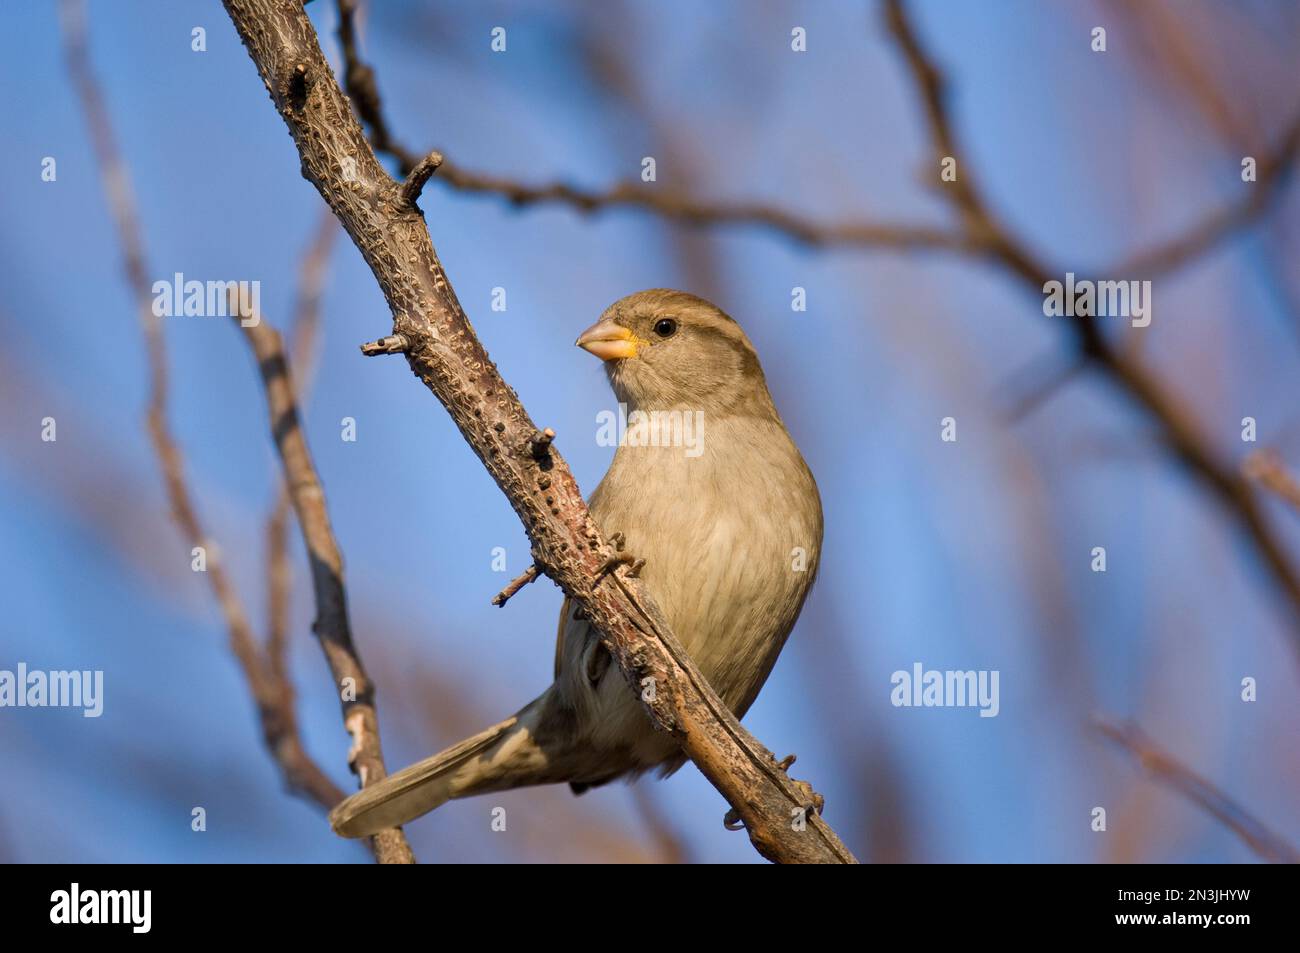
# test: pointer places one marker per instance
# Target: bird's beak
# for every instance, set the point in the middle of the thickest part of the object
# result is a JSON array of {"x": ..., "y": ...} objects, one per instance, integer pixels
[{"x": 608, "y": 341}]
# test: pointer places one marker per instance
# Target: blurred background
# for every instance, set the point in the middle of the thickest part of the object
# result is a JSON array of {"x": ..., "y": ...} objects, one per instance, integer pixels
[{"x": 968, "y": 555}]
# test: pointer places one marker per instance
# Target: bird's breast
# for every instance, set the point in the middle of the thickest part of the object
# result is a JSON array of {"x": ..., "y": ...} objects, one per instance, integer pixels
[{"x": 731, "y": 538}]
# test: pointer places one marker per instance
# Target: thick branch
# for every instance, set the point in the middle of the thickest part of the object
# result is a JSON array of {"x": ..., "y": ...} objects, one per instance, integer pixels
[
  {"x": 447, "y": 356},
  {"x": 1177, "y": 429},
  {"x": 1169, "y": 772}
]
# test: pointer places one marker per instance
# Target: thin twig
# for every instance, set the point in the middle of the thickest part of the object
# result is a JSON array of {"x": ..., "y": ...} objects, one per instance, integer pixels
[
  {"x": 1273, "y": 171},
  {"x": 332, "y": 626},
  {"x": 303, "y": 334},
  {"x": 1049, "y": 380},
  {"x": 447, "y": 356},
  {"x": 279, "y": 587},
  {"x": 1178, "y": 431},
  {"x": 976, "y": 239},
  {"x": 1167, "y": 46},
  {"x": 274, "y": 705},
  {"x": 1168, "y": 771},
  {"x": 392, "y": 344},
  {"x": 1266, "y": 468},
  {"x": 897, "y": 236},
  {"x": 418, "y": 176},
  {"x": 362, "y": 88},
  {"x": 524, "y": 578}
]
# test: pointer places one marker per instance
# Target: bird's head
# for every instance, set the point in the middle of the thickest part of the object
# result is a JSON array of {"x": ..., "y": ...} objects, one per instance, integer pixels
[{"x": 666, "y": 349}]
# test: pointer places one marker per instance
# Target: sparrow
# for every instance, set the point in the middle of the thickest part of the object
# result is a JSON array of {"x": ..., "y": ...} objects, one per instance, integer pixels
[{"x": 710, "y": 494}]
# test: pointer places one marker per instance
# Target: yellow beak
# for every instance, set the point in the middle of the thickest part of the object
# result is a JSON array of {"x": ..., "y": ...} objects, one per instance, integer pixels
[{"x": 608, "y": 341}]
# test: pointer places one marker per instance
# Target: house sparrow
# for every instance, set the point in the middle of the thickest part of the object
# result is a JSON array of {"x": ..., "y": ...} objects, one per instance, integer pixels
[{"x": 729, "y": 526}]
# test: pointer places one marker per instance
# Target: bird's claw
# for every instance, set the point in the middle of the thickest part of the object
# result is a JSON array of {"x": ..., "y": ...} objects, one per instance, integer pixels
[
  {"x": 811, "y": 799},
  {"x": 812, "y": 802},
  {"x": 614, "y": 562}
]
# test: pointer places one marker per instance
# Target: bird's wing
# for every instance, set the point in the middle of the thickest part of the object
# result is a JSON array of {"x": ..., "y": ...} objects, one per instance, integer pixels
[{"x": 598, "y": 504}]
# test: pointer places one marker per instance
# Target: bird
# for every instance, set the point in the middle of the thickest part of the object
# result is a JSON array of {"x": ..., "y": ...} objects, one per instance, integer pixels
[{"x": 726, "y": 531}]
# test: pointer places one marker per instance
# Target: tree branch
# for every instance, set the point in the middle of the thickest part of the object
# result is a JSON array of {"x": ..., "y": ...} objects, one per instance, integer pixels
[
  {"x": 362, "y": 88},
  {"x": 1168, "y": 771},
  {"x": 523, "y": 579},
  {"x": 446, "y": 355},
  {"x": 306, "y": 321},
  {"x": 1266, "y": 468},
  {"x": 1177, "y": 429},
  {"x": 1274, "y": 170},
  {"x": 332, "y": 626},
  {"x": 272, "y": 695}
]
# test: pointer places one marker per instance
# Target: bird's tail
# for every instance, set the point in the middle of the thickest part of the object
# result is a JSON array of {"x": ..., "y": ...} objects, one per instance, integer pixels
[{"x": 524, "y": 749}]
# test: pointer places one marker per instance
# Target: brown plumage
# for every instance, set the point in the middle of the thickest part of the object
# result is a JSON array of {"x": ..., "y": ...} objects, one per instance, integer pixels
[{"x": 729, "y": 523}]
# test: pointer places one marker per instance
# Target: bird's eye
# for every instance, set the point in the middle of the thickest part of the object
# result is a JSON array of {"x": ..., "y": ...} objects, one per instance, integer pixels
[{"x": 665, "y": 327}]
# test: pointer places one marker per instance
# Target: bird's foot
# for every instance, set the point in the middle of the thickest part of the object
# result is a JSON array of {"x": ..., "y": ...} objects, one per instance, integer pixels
[
  {"x": 812, "y": 802},
  {"x": 621, "y": 559}
]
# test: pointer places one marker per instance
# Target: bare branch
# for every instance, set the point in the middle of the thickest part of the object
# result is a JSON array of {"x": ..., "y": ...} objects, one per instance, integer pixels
[
  {"x": 419, "y": 174},
  {"x": 975, "y": 239},
  {"x": 306, "y": 322},
  {"x": 539, "y": 444},
  {"x": 362, "y": 88},
  {"x": 393, "y": 344},
  {"x": 332, "y": 627},
  {"x": 524, "y": 578},
  {"x": 447, "y": 356},
  {"x": 279, "y": 587},
  {"x": 895, "y": 236},
  {"x": 1272, "y": 173},
  {"x": 1266, "y": 468},
  {"x": 1166, "y": 45},
  {"x": 274, "y": 703},
  {"x": 1168, "y": 771},
  {"x": 305, "y": 328},
  {"x": 1048, "y": 381},
  {"x": 1178, "y": 431}
]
